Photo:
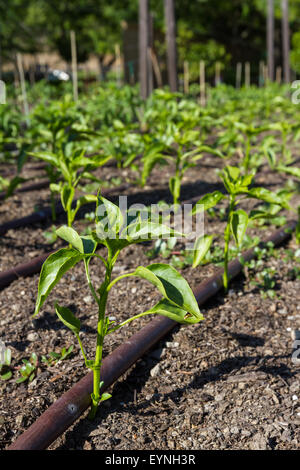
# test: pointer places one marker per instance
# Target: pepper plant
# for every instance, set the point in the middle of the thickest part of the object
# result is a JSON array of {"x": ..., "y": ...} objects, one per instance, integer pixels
[
  {"x": 71, "y": 166},
  {"x": 187, "y": 150},
  {"x": 238, "y": 190},
  {"x": 115, "y": 231}
]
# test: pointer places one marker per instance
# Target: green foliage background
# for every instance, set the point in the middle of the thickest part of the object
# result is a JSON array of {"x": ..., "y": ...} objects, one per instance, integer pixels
[{"x": 225, "y": 30}]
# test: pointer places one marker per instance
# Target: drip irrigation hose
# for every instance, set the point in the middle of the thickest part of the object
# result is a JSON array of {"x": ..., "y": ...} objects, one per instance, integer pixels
[
  {"x": 44, "y": 214},
  {"x": 67, "y": 409},
  {"x": 27, "y": 188}
]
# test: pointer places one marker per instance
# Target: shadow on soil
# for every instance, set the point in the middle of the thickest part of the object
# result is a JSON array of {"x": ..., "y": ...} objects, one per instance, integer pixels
[{"x": 124, "y": 391}]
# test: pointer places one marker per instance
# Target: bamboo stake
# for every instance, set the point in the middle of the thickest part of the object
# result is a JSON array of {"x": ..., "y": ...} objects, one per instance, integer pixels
[
  {"x": 202, "y": 84},
  {"x": 238, "y": 81},
  {"x": 186, "y": 77},
  {"x": 23, "y": 87},
  {"x": 74, "y": 65}
]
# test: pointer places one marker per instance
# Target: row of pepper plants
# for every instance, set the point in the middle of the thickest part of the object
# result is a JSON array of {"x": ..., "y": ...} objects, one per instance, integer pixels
[{"x": 244, "y": 129}]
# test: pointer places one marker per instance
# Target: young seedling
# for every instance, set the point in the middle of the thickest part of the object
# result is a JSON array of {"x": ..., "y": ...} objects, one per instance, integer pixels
[
  {"x": 184, "y": 157},
  {"x": 72, "y": 166},
  {"x": 55, "y": 357},
  {"x": 115, "y": 231},
  {"x": 237, "y": 187},
  {"x": 28, "y": 370}
]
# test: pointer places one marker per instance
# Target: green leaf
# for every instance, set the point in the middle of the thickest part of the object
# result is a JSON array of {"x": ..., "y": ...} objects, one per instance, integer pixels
[
  {"x": 109, "y": 219},
  {"x": 201, "y": 247},
  {"x": 207, "y": 202},
  {"x": 167, "y": 309},
  {"x": 67, "y": 196},
  {"x": 46, "y": 157},
  {"x": 265, "y": 195},
  {"x": 6, "y": 375},
  {"x": 151, "y": 158},
  {"x": 293, "y": 171},
  {"x": 55, "y": 188},
  {"x": 174, "y": 185},
  {"x": 55, "y": 266},
  {"x": 171, "y": 285},
  {"x": 139, "y": 231},
  {"x": 85, "y": 245},
  {"x": 233, "y": 172},
  {"x": 239, "y": 223},
  {"x": 14, "y": 183},
  {"x": 105, "y": 396},
  {"x": 68, "y": 319},
  {"x": 207, "y": 149}
]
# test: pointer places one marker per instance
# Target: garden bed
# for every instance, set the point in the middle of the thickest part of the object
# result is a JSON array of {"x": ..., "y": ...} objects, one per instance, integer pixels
[{"x": 226, "y": 383}]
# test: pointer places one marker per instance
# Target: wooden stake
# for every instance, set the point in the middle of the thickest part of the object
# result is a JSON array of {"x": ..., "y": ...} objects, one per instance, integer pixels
[
  {"x": 218, "y": 74},
  {"x": 74, "y": 65},
  {"x": 238, "y": 81},
  {"x": 186, "y": 79},
  {"x": 270, "y": 39},
  {"x": 202, "y": 84},
  {"x": 23, "y": 86},
  {"x": 143, "y": 47},
  {"x": 171, "y": 44},
  {"x": 286, "y": 41},
  {"x": 266, "y": 75},
  {"x": 149, "y": 59},
  {"x": 261, "y": 78},
  {"x": 118, "y": 64},
  {"x": 156, "y": 69},
  {"x": 247, "y": 74},
  {"x": 279, "y": 75}
]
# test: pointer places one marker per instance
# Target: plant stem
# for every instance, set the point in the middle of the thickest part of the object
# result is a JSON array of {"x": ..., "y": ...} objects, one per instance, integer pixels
[
  {"x": 96, "y": 396},
  {"x": 247, "y": 154},
  {"x": 227, "y": 240},
  {"x": 53, "y": 212}
]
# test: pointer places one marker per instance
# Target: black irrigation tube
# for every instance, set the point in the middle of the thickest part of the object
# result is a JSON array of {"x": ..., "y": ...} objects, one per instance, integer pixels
[
  {"x": 67, "y": 409},
  {"x": 34, "y": 266},
  {"x": 28, "y": 187},
  {"x": 44, "y": 214}
]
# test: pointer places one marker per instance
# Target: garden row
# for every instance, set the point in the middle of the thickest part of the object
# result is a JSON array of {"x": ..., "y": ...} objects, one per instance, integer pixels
[{"x": 239, "y": 169}]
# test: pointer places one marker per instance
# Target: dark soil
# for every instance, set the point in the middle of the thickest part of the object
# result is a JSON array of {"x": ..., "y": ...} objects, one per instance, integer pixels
[{"x": 226, "y": 383}]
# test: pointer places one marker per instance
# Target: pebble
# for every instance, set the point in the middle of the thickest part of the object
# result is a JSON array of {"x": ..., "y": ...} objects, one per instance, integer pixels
[
  {"x": 19, "y": 420},
  {"x": 172, "y": 344},
  {"x": 33, "y": 336},
  {"x": 155, "y": 371},
  {"x": 133, "y": 290},
  {"x": 88, "y": 299},
  {"x": 259, "y": 442},
  {"x": 234, "y": 430},
  {"x": 220, "y": 397},
  {"x": 283, "y": 311}
]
